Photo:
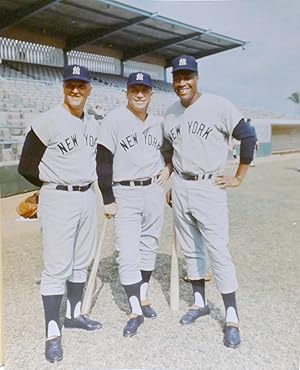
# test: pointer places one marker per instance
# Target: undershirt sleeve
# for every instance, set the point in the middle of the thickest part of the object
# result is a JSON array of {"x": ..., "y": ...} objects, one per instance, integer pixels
[
  {"x": 167, "y": 151},
  {"x": 104, "y": 163},
  {"x": 245, "y": 133},
  {"x": 32, "y": 153}
]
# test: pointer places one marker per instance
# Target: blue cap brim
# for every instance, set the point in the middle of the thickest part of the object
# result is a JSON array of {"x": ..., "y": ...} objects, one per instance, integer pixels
[
  {"x": 139, "y": 83},
  {"x": 184, "y": 69},
  {"x": 77, "y": 79}
]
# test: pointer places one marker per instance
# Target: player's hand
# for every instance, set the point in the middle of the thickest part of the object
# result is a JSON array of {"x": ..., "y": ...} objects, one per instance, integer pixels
[
  {"x": 169, "y": 197},
  {"x": 163, "y": 176},
  {"x": 110, "y": 210},
  {"x": 227, "y": 181}
]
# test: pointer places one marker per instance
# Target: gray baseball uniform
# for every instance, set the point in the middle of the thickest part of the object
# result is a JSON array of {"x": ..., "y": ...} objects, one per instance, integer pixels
[
  {"x": 69, "y": 160},
  {"x": 200, "y": 136},
  {"x": 200, "y": 127},
  {"x": 59, "y": 155},
  {"x": 135, "y": 146}
]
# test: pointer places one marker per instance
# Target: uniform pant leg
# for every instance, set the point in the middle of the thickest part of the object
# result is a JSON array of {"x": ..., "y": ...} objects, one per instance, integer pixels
[
  {"x": 212, "y": 220},
  {"x": 59, "y": 216},
  {"x": 127, "y": 224},
  {"x": 86, "y": 236},
  {"x": 152, "y": 221},
  {"x": 187, "y": 231}
]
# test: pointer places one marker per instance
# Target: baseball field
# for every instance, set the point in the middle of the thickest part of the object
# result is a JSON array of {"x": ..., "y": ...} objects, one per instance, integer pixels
[{"x": 265, "y": 244}]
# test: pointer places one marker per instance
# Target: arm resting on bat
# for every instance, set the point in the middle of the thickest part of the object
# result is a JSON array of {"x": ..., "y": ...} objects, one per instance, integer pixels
[{"x": 104, "y": 160}]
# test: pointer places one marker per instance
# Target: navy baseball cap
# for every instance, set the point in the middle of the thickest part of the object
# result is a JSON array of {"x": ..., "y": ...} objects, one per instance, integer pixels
[
  {"x": 139, "y": 78},
  {"x": 76, "y": 72},
  {"x": 184, "y": 63}
]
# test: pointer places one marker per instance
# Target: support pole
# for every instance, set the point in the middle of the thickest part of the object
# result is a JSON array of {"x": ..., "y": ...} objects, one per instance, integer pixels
[{"x": 1, "y": 293}]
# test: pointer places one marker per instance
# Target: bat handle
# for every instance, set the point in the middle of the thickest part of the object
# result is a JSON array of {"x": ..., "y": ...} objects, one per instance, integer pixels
[
  {"x": 90, "y": 287},
  {"x": 174, "y": 280}
]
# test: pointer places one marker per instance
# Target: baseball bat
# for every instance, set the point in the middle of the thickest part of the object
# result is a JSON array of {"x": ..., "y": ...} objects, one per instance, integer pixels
[
  {"x": 91, "y": 284},
  {"x": 174, "y": 277}
]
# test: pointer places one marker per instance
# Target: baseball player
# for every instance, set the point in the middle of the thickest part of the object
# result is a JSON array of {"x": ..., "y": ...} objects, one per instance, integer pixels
[
  {"x": 200, "y": 127},
  {"x": 131, "y": 175},
  {"x": 59, "y": 154}
]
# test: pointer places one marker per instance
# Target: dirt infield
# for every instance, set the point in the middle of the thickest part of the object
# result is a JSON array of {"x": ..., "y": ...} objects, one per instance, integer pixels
[{"x": 265, "y": 244}]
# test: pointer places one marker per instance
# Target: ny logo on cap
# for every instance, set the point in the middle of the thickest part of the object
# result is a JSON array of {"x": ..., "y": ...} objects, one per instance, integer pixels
[
  {"x": 76, "y": 70},
  {"x": 182, "y": 62},
  {"x": 139, "y": 77}
]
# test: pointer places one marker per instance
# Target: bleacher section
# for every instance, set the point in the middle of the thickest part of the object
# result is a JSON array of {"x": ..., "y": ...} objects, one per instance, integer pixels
[
  {"x": 19, "y": 70},
  {"x": 36, "y": 71},
  {"x": 28, "y": 89}
]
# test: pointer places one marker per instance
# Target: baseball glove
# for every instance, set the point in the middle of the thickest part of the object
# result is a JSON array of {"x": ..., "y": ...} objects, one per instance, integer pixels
[{"x": 28, "y": 207}]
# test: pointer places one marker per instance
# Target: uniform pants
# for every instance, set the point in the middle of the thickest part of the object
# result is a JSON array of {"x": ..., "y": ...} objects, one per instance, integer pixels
[
  {"x": 201, "y": 218},
  {"x": 138, "y": 224},
  {"x": 69, "y": 235}
]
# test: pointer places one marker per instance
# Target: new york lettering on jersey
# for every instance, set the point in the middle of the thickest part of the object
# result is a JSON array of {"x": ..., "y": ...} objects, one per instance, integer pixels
[
  {"x": 71, "y": 142},
  {"x": 134, "y": 139},
  {"x": 174, "y": 132},
  {"x": 199, "y": 129},
  {"x": 193, "y": 128},
  {"x": 68, "y": 144}
]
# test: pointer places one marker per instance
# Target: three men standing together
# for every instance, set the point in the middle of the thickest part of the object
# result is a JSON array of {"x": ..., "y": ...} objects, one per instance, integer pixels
[{"x": 131, "y": 154}]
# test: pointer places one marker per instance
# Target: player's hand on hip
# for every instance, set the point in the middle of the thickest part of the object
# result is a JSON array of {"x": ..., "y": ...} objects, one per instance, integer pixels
[
  {"x": 227, "y": 181},
  {"x": 169, "y": 197},
  {"x": 110, "y": 210},
  {"x": 163, "y": 176}
]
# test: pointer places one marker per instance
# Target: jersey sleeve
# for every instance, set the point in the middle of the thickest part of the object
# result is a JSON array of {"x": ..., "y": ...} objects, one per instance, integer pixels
[
  {"x": 32, "y": 153},
  {"x": 231, "y": 116},
  {"x": 107, "y": 136},
  {"x": 42, "y": 127}
]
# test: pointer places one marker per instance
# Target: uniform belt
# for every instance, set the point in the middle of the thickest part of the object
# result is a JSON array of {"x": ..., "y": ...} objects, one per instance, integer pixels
[
  {"x": 193, "y": 177},
  {"x": 73, "y": 187},
  {"x": 136, "y": 182}
]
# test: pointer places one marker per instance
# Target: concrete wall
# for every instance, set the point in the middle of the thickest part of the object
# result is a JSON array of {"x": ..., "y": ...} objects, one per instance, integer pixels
[
  {"x": 277, "y": 135},
  {"x": 285, "y": 138}
]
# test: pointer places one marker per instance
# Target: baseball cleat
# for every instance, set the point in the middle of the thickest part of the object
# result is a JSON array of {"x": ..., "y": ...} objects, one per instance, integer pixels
[
  {"x": 232, "y": 337},
  {"x": 53, "y": 350},
  {"x": 149, "y": 312},
  {"x": 82, "y": 322},
  {"x": 193, "y": 314},
  {"x": 132, "y": 326}
]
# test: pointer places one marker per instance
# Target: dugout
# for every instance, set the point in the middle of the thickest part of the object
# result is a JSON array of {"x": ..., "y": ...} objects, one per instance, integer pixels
[
  {"x": 104, "y": 27},
  {"x": 112, "y": 39},
  {"x": 277, "y": 135},
  {"x": 285, "y": 135}
]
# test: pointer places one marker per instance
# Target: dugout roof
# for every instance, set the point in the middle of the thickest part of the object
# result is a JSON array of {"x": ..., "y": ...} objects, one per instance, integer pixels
[{"x": 108, "y": 27}]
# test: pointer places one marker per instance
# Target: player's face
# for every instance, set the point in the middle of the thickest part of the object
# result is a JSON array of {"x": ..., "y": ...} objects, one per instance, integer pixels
[
  {"x": 139, "y": 97},
  {"x": 185, "y": 85},
  {"x": 76, "y": 93}
]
